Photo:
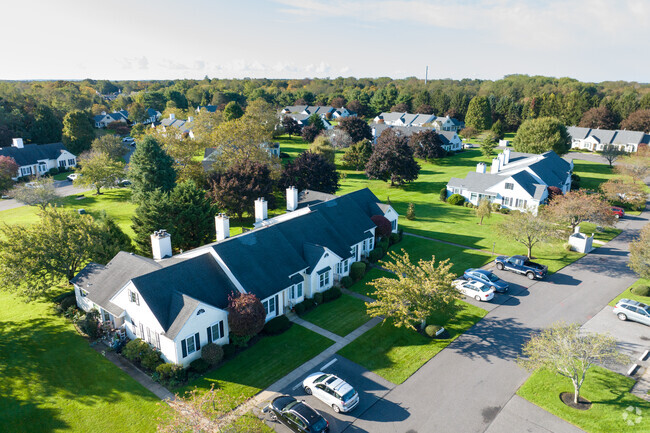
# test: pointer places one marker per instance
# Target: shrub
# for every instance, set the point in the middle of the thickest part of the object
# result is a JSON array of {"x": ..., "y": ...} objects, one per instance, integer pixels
[
  {"x": 172, "y": 373},
  {"x": 240, "y": 340},
  {"x": 53, "y": 171},
  {"x": 299, "y": 308},
  {"x": 229, "y": 350},
  {"x": 410, "y": 212},
  {"x": 331, "y": 294},
  {"x": 375, "y": 255},
  {"x": 456, "y": 199},
  {"x": 400, "y": 232},
  {"x": 199, "y": 366},
  {"x": 246, "y": 315},
  {"x": 383, "y": 244},
  {"x": 67, "y": 302},
  {"x": 212, "y": 353},
  {"x": 443, "y": 194},
  {"x": 347, "y": 282},
  {"x": 135, "y": 350},
  {"x": 277, "y": 326},
  {"x": 642, "y": 290},
  {"x": 357, "y": 270},
  {"x": 318, "y": 298},
  {"x": 90, "y": 325},
  {"x": 394, "y": 238},
  {"x": 309, "y": 304},
  {"x": 284, "y": 155},
  {"x": 151, "y": 358},
  {"x": 496, "y": 207},
  {"x": 431, "y": 330},
  {"x": 504, "y": 210},
  {"x": 567, "y": 246}
]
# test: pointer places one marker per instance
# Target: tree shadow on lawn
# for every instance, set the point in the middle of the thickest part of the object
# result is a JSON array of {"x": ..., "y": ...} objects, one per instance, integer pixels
[
  {"x": 617, "y": 388},
  {"x": 494, "y": 338},
  {"x": 23, "y": 416},
  {"x": 56, "y": 361}
]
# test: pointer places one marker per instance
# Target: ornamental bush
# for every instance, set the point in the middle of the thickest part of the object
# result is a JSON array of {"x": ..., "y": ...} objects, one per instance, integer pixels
[
  {"x": 431, "y": 330},
  {"x": 199, "y": 366},
  {"x": 135, "y": 350},
  {"x": 151, "y": 358},
  {"x": 383, "y": 244},
  {"x": 318, "y": 298},
  {"x": 443, "y": 194},
  {"x": 299, "y": 308},
  {"x": 171, "y": 373},
  {"x": 246, "y": 315},
  {"x": 384, "y": 227},
  {"x": 347, "y": 282},
  {"x": 67, "y": 302},
  {"x": 90, "y": 325},
  {"x": 331, "y": 294},
  {"x": 212, "y": 353},
  {"x": 456, "y": 199},
  {"x": 357, "y": 270},
  {"x": 277, "y": 325},
  {"x": 375, "y": 255},
  {"x": 394, "y": 238},
  {"x": 641, "y": 290}
]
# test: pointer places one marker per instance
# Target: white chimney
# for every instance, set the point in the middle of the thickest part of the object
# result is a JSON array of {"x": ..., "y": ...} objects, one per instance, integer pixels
[
  {"x": 222, "y": 223},
  {"x": 190, "y": 118},
  {"x": 496, "y": 166},
  {"x": 103, "y": 113},
  {"x": 161, "y": 244},
  {"x": 292, "y": 198},
  {"x": 18, "y": 143},
  {"x": 501, "y": 157},
  {"x": 481, "y": 167},
  {"x": 261, "y": 210},
  {"x": 506, "y": 156},
  {"x": 172, "y": 116}
]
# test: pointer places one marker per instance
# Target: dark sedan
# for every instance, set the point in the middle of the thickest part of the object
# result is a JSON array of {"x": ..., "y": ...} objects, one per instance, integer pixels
[
  {"x": 487, "y": 278},
  {"x": 296, "y": 415}
]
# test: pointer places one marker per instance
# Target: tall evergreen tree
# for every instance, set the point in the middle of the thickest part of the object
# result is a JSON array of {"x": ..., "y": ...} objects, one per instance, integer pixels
[
  {"x": 150, "y": 169},
  {"x": 46, "y": 127},
  {"x": 479, "y": 113}
]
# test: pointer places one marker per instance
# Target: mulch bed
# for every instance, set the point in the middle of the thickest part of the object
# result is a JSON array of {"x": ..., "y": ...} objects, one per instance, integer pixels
[{"x": 567, "y": 398}]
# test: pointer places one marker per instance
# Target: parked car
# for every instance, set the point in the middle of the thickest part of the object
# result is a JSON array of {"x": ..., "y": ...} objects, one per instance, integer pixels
[
  {"x": 296, "y": 415},
  {"x": 331, "y": 390},
  {"x": 73, "y": 176},
  {"x": 127, "y": 139},
  {"x": 627, "y": 309},
  {"x": 521, "y": 265},
  {"x": 487, "y": 278},
  {"x": 618, "y": 212},
  {"x": 474, "y": 289}
]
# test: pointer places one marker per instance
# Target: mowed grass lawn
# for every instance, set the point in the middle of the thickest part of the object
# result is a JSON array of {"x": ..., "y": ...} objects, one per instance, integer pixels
[
  {"x": 397, "y": 353},
  {"x": 265, "y": 362},
  {"x": 629, "y": 295},
  {"x": 340, "y": 316},
  {"x": 608, "y": 393},
  {"x": 53, "y": 381},
  {"x": 116, "y": 202}
]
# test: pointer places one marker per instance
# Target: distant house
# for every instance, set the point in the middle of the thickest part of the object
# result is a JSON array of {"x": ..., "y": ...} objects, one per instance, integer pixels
[
  {"x": 208, "y": 108},
  {"x": 211, "y": 154},
  {"x": 450, "y": 139},
  {"x": 325, "y": 112},
  {"x": 408, "y": 119},
  {"x": 179, "y": 303},
  {"x": 597, "y": 139},
  {"x": 153, "y": 116},
  {"x": 179, "y": 127},
  {"x": 38, "y": 159},
  {"x": 515, "y": 181},
  {"x": 303, "y": 120},
  {"x": 105, "y": 119}
]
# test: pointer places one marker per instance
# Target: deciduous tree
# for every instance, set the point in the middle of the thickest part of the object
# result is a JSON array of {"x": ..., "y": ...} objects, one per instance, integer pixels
[
  {"x": 541, "y": 135},
  {"x": 570, "y": 352},
  {"x": 623, "y": 191},
  {"x": 419, "y": 291},
  {"x": 111, "y": 145},
  {"x": 339, "y": 138},
  {"x": 469, "y": 132},
  {"x": 39, "y": 193},
  {"x": 232, "y": 111},
  {"x": 246, "y": 315},
  {"x": 526, "y": 229},
  {"x": 484, "y": 210},
  {"x": 357, "y": 155},
  {"x": 236, "y": 189},
  {"x": 578, "y": 206},
  {"x": 8, "y": 170},
  {"x": 150, "y": 168},
  {"x": 309, "y": 133},
  {"x": 599, "y": 117},
  {"x": 99, "y": 170},
  {"x": 392, "y": 159},
  {"x": 637, "y": 121},
  {"x": 290, "y": 126},
  {"x": 384, "y": 227},
  {"x": 323, "y": 146},
  {"x": 640, "y": 253},
  {"x": 78, "y": 132},
  {"x": 310, "y": 171},
  {"x": 635, "y": 166},
  {"x": 611, "y": 153},
  {"x": 427, "y": 145}
]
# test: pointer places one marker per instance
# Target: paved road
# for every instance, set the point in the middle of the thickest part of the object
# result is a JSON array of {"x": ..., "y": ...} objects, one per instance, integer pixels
[{"x": 466, "y": 386}]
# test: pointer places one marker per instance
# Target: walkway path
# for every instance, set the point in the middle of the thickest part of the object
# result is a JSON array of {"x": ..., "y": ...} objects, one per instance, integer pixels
[{"x": 450, "y": 243}]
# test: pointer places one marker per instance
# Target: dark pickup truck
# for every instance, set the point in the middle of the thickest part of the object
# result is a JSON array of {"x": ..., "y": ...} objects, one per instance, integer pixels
[{"x": 521, "y": 265}]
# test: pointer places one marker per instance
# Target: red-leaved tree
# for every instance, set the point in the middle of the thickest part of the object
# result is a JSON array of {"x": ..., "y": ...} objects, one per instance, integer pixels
[
  {"x": 246, "y": 315},
  {"x": 8, "y": 169},
  {"x": 384, "y": 227},
  {"x": 553, "y": 191}
]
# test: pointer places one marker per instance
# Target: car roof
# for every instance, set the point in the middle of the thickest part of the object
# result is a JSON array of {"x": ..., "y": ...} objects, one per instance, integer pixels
[
  {"x": 306, "y": 412},
  {"x": 338, "y": 384},
  {"x": 520, "y": 257},
  {"x": 632, "y": 302},
  {"x": 282, "y": 401},
  {"x": 479, "y": 271}
]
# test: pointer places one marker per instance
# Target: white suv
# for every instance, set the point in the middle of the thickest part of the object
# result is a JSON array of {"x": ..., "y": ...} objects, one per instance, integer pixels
[
  {"x": 332, "y": 391},
  {"x": 627, "y": 309},
  {"x": 474, "y": 289}
]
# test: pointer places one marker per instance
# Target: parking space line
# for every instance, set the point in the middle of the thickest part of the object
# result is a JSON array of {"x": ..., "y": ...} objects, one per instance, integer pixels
[
  {"x": 297, "y": 386},
  {"x": 328, "y": 364}
]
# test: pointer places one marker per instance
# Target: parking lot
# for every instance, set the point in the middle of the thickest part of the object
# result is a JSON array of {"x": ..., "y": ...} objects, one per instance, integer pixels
[{"x": 371, "y": 388}]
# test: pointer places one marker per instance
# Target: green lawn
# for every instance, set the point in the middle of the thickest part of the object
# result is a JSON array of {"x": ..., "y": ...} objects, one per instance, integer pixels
[
  {"x": 52, "y": 380},
  {"x": 397, "y": 353},
  {"x": 341, "y": 316},
  {"x": 61, "y": 176},
  {"x": 608, "y": 392},
  {"x": 116, "y": 203},
  {"x": 629, "y": 295},
  {"x": 363, "y": 286},
  {"x": 265, "y": 362}
]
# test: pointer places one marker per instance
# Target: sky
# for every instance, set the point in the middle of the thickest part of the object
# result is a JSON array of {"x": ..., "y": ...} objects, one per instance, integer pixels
[{"x": 591, "y": 40}]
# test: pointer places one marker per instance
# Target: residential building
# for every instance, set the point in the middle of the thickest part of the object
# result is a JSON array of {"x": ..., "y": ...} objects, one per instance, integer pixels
[
  {"x": 38, "y": 159},
  {"x": 182, "y": 128},
  {"x": 451, "y": 142},
  {"x": 179, "y": 303},
  {"x": 208, "y": 108},
  {"x": 325, "y": 112},
  {"x": 104, "y": 119},
  {"x": 303, "y": 120},
  {"x": 153, "y": 116},
  {"x": 515, "y": 181},
  {"x": 210, "y": 154},
  {"x": 445, "y": 123},
  {"x": 597, "y": 139}
]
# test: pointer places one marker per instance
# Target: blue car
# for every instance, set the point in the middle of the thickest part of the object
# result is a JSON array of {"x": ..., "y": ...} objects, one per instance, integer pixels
[{"x": 487, "y": 278}]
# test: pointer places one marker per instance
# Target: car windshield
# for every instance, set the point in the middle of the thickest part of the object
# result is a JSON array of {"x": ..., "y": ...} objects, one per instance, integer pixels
[
  {"x": 319, "y": 425},
  {"x": 492, "y": 277},
  {"x": 290, "y": 405},
  {"x": 320, "y": 378},
  {"x": 348, "y": 395}
]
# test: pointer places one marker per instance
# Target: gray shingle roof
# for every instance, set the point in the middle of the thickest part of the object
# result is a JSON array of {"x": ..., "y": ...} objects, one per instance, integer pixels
[
  {"x": 308, "y": 197},
  {"x": 628, "y": 137},
  {"x": 529, "y": 184},
  {"x": 604, "y": 136},
  {"x": 32, "y": 153},
  {"x": 578, "y": 133},
  {"x": 476, "y": 182}
]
